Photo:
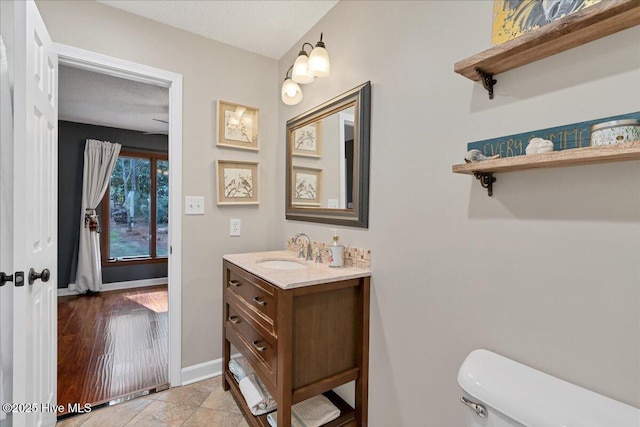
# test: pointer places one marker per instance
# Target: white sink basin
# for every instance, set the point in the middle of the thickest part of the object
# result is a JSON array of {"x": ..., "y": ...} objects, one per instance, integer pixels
[{"x": 281, "y": 264}]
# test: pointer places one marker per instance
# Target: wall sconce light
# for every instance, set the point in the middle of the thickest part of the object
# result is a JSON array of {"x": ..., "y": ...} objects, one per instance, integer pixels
[
  {"x": 319, "y": 60},
  {"x": 291, "y": 92},
  {"x": 303, "y": 71}
]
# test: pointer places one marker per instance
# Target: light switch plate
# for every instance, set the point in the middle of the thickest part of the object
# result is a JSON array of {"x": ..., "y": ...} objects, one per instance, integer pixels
[
  {"x": 234, "y": 227},
  {"x": 194, "y": 205}
]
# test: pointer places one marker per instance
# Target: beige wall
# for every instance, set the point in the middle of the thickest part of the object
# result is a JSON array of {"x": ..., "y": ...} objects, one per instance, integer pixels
[
  {"x": 546, "y": 272},
  {"x": 211, "y": 71}
]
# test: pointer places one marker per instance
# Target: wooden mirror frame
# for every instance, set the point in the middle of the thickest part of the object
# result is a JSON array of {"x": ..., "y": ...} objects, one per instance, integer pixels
[{"x": 360, "y": 98}]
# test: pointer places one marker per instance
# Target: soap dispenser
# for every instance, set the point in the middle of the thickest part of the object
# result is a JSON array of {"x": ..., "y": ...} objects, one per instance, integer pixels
[{"x": 336, "y": 251}]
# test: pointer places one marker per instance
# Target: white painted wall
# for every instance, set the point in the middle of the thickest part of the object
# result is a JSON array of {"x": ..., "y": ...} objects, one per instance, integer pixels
[
  {"x": 211, "y": 71},
  {"x": 546, "y": 272}
]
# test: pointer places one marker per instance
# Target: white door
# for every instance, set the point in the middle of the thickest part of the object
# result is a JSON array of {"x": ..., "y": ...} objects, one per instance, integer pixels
[
  {"x": 35, "y": 216},
  {"x": 6, "y": 232}
]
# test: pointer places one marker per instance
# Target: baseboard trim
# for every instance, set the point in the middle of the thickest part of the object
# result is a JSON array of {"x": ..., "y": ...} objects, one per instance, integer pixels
[
  {"x": 116, "y": 286},
  {"x": 202, "y": 371}
]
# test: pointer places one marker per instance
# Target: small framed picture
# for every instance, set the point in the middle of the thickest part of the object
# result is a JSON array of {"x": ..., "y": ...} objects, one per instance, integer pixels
[
  {"x": 307, "y": 140},
  {"x": 237, "y": 126},
  {"x": 238, "y": 182},
  {"x": 306, "y": 186}
]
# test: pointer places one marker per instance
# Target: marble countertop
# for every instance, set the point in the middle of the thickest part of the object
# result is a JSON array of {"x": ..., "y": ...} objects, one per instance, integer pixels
[{"x": 314, "y": 274}]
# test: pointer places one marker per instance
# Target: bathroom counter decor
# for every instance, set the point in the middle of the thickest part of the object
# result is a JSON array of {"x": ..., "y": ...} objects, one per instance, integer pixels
[
  {"x": 289, "y": 279},
  {"x": 586, "y": 25},
  {"x": 301, "y": 341},
  {"x": 484, "y": 170}
]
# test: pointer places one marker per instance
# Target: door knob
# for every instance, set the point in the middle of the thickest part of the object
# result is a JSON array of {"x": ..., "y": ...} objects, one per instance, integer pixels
[
  {"x": 4, "y": 278},
  {"x": 44, "y": 276},
  {"x": 17, "y": 278}
]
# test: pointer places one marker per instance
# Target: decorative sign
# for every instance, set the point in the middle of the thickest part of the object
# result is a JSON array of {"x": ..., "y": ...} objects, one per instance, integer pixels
[{"x": 565, "y": 137}]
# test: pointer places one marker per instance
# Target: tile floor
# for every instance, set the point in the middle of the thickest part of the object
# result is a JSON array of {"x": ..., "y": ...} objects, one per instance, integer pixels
[{"x": 200, "y": 404}]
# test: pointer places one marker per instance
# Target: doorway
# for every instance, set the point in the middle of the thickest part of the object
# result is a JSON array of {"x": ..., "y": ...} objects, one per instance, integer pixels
[{"x": 89, "y": 61}]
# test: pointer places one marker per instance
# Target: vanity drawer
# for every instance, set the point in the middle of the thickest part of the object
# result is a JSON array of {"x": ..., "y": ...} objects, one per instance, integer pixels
[
  {"x": 255, "y": 345},
  {"x": 256, "y": 293}
]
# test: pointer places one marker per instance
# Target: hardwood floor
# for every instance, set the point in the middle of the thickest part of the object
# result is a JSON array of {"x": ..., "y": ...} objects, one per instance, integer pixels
[{"x": 112, "y": 344}]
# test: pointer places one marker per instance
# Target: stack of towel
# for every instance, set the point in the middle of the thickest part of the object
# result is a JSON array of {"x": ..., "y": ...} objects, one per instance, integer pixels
[
  {"x": 256, "y": 395},
  {"x": 312, "y": 412},
  {"x": 239, "y": 368}
]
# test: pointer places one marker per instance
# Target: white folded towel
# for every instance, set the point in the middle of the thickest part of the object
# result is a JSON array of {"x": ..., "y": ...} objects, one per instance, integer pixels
[
  {"x": 256, "y": 395},
  {"x": 312, "y": 412},
  {"x": 240, "y": 368}
]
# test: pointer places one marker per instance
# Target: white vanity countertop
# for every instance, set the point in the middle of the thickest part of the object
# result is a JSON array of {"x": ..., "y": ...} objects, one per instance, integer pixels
[{"x": 314, "y": 274}]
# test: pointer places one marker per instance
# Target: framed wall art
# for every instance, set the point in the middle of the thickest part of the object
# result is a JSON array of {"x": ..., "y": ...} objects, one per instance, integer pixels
[
  {"x": 237, "y": 126},
  {"x": 238, "y": 182},
  {"x": 306, "y": 187},
  {"x": 513, "y": 18},
  {"x": 307, "y": 140}
]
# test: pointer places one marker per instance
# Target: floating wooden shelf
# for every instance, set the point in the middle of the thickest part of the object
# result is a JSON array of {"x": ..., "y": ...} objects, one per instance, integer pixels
[
  {"x": 555, "y": 159},
  {"x": 594, "y": 22},
  {"x": 485, "y": 169}
]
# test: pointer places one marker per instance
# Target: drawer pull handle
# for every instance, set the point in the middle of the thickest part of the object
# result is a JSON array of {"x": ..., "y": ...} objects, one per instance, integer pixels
[
  {"x": 234, "y": 319},
  {"x": 259, "y": 347},
  {"x": 257, "y": 301},
  {"x": 234, "y": 283}
]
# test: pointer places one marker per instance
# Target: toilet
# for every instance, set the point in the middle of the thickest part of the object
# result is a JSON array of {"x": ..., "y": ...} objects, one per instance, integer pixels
[{"x": 499, "y": 392}]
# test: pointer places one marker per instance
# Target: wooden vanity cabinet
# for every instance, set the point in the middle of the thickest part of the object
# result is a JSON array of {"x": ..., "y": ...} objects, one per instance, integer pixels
[{"x": 301, "y": 342}]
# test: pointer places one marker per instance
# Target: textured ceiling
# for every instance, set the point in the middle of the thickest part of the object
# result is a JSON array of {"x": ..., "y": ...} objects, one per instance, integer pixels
[
  {"x": 98, "y": 99},
  {"x": 267, "y": 27}
]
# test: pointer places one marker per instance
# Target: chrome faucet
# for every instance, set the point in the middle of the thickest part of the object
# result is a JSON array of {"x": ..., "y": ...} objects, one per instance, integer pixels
[{"x": 309, "y": 257}]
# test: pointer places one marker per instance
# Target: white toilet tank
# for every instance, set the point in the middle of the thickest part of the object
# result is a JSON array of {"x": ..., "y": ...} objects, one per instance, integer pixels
[{"x": 499, "y": 392}]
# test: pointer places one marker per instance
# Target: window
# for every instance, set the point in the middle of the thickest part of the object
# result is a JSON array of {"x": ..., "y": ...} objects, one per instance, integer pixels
[{"x": 135, "y": 209}]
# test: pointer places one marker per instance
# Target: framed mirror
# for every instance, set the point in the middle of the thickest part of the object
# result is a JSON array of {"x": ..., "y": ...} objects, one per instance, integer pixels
[{"x": 327, "y": 177}]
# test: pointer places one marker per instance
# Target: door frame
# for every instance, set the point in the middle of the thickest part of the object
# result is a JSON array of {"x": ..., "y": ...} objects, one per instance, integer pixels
[
  {"x": 91, "y": 61},
  {"x": 344, "y": 119}
]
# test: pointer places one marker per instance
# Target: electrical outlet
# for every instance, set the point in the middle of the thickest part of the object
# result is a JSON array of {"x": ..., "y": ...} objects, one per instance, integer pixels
[
  {"x": 234, "y": 227},
  {"x": 194, "y": 205}
]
